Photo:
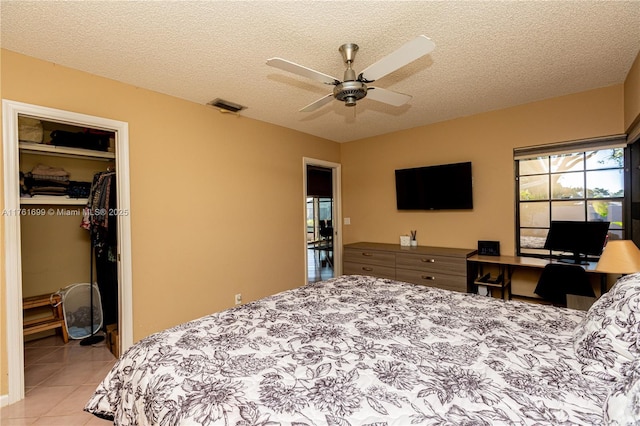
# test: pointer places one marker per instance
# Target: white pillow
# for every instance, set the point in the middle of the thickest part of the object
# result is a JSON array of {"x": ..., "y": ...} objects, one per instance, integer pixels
[{"x": 608, "y": 338}]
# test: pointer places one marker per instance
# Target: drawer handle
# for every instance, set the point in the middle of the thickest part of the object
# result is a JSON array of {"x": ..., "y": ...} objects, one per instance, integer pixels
[
  {"x": 428, "y": 260},
  {"x": 364, "y": 268},
  {"x": 427, "y": 277},
  {"x": 367, "y": 254}
]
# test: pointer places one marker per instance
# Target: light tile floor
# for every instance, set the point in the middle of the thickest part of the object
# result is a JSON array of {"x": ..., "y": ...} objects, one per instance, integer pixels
[{"x": 59, "y": 379}]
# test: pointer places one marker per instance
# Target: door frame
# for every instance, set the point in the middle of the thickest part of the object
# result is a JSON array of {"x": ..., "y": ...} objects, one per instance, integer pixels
[
  {"x": 336, "y": 182},
  {"x": 14, "y": 340}
]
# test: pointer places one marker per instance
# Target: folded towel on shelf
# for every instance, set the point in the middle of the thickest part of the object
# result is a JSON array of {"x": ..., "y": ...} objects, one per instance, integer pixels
[
  {"x": 48, "y": 171},
  {"x": 63, "y": 179},
  {"x": 30, "y": 181},
  {"x": 48, "y": 190},
  {"x": 45, "y": 180}
]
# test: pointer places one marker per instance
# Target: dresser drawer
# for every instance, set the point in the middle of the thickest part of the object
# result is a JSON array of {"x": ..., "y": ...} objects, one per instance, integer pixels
[
  {"x": 356, "y": 268},
  {"x": 440, "y": 280},
  {"x": 370, "y": 257},
  {"x": 432, "y": 263}
]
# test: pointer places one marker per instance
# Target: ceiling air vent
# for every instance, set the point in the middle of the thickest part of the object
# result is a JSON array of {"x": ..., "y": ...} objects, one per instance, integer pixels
[{"x": 226, "y": 105}]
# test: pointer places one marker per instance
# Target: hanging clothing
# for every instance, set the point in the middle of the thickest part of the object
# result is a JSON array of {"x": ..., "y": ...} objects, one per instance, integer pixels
[
  {"x": 99, "y": 220},
  {"x": 96, "y": 217}
]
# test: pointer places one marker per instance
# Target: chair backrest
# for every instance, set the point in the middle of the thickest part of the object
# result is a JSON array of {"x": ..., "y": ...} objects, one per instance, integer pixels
[
  {"x": 557, "y": 280},
  {"x": 325, "y": 228}
]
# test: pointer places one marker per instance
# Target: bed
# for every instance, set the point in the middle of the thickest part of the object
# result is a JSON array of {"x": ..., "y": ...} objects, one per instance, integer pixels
[{"x": 358, "y": 350}]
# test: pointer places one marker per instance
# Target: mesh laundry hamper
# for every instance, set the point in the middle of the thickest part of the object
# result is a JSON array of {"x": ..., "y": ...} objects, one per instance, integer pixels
[{"x": 76, "y": 304}]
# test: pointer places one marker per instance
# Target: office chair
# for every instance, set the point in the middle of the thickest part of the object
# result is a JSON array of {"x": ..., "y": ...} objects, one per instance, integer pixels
[
  {"x": 557, "y": 280},
  {"x": 326, "y": 230}
]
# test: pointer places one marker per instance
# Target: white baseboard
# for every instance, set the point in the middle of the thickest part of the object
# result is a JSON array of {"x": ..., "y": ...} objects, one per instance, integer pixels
[{"x": 4, "y": 400}]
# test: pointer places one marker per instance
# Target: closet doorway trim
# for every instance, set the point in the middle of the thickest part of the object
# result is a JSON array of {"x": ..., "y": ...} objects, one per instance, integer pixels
[{"x": 12, "y": 245}]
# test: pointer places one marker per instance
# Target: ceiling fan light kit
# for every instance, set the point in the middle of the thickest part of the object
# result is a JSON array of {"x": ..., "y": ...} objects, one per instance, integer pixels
[{"x": 351, "y": 89}]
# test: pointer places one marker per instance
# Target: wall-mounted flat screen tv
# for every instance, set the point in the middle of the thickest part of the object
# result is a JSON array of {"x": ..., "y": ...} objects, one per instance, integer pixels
[{"x": 441, "y": 187}]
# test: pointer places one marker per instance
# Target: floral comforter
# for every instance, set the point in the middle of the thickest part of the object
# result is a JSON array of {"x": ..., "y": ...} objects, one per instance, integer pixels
[{"x": 358, "y": 350}]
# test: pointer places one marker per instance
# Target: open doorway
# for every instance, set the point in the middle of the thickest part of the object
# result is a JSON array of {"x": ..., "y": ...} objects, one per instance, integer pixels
[{"x": 321, "y": 220}]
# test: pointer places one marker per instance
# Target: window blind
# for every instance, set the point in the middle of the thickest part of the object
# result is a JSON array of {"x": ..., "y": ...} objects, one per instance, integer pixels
[{"x": 594, "y": 144}]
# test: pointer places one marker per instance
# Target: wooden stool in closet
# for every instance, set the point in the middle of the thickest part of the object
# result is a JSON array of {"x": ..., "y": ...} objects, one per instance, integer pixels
[{"x": 51, "y": 322}]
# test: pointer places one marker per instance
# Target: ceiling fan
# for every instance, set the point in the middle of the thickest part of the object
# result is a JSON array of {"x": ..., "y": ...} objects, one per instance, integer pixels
[{"x": 351, "y": 89}]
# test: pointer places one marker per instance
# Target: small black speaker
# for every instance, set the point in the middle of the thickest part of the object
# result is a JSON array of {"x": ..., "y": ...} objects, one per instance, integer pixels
[{"x": 489, "y": 248}]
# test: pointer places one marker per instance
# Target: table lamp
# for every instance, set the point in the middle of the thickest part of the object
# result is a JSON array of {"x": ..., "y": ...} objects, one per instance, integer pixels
[{"x": 619, "y": 257}]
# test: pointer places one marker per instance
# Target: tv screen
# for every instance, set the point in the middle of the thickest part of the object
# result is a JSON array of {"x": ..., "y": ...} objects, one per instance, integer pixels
[
  {"x": 579, "y": 238},
  {"x": 441, "y": 187}
]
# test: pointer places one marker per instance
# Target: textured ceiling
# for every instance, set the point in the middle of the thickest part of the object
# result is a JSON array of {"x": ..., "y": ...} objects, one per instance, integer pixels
[{"x": 489, "y": 54}]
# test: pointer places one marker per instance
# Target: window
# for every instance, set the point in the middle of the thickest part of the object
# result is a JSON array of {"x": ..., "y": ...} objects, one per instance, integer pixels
[
  {"x": 576, "y": 181},
  {"x": 318, "y": 209}
]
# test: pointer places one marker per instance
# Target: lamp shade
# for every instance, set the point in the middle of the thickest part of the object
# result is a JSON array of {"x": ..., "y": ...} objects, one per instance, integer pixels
[{"x": 619, "y": 257}]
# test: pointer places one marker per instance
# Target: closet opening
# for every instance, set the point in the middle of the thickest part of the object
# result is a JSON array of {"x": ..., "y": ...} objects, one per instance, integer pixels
[{"x": 66, "y": 176}]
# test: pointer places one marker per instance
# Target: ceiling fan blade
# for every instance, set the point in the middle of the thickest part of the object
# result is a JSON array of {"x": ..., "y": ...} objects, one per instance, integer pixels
[
  {"x": 406, "y": 54},
  {"x": 294, "y": 68},
  {"x": 317, "y": 104},
  {"x": 387, "y": 96}
]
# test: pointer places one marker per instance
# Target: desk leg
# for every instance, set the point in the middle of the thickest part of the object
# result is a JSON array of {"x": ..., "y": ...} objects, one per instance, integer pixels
[
  {"x": 509, "y": 283},
  {"x": 472, "y": 273}
]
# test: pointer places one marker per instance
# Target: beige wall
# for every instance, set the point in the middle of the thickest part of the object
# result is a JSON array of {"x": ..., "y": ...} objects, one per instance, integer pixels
[
  {"x": 632, "y": 96},
  {"x": 216, "y": 200},
  {"x": 487, "y": 140}
]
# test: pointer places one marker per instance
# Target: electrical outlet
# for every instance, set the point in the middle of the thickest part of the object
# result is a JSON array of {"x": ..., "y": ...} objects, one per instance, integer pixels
[{"x": 239, "y": 299}]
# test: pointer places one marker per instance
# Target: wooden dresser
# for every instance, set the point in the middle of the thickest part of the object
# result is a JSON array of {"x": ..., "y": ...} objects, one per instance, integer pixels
[{"x": 441, "y": 267}]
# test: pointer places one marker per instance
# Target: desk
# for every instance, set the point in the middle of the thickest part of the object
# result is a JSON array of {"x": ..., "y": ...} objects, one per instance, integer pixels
[{"x": 507, "y": 264}]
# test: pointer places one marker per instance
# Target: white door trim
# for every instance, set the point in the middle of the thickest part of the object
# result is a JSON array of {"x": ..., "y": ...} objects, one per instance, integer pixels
[
  {"x": 12, "y": 244},
  {"x": 336, "y": 178}
]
